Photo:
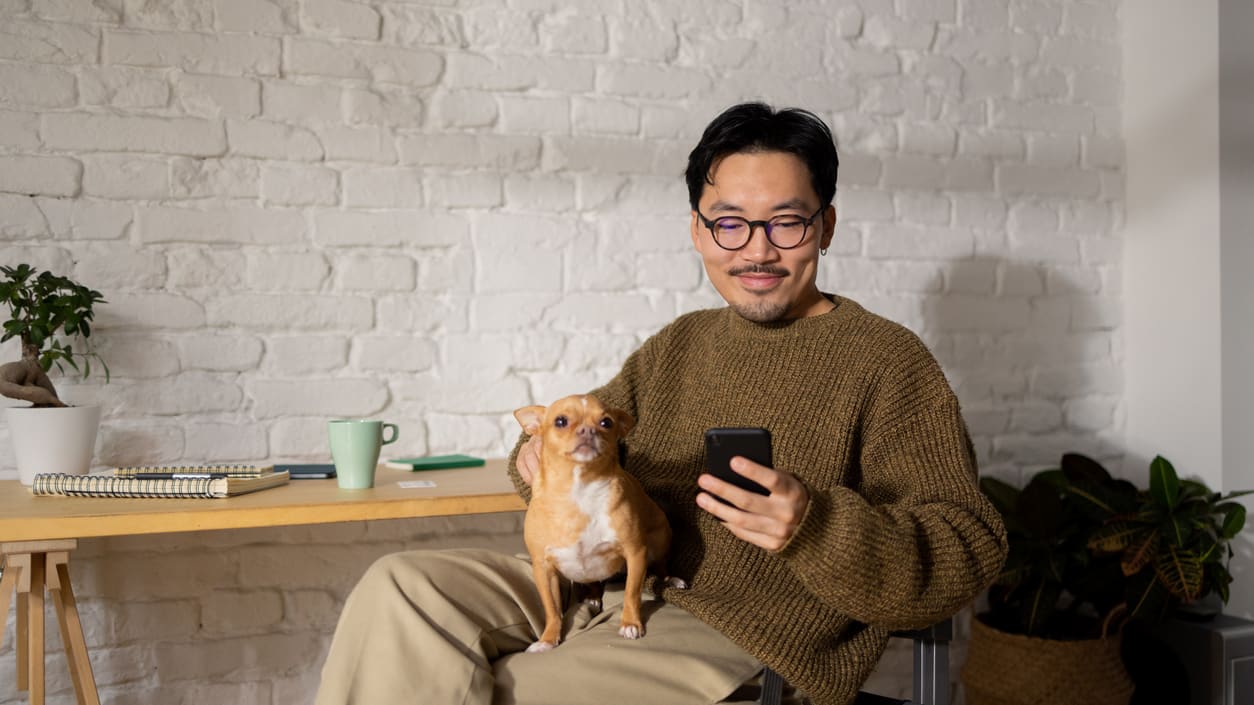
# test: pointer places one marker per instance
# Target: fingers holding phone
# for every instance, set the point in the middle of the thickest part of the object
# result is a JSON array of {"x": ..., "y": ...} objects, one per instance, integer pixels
[{"x": 755, "y": 502}]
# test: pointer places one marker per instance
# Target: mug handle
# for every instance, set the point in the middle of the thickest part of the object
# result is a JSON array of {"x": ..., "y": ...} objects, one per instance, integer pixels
[{"x": 395, "y": 433}]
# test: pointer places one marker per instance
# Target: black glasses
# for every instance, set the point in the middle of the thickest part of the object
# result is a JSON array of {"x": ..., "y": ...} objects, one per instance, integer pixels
[{"x": 731, "y": 232}]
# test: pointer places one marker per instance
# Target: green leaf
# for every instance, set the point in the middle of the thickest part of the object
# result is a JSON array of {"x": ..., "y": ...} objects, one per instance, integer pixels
[
  {"x": 1234, "y": 519},
  {"x": 1180, "y": 571},
  {"x": 1117, "y": 536},
  {"x": 1001, "y": 494},
  {"x": 1164, "y": 482}
]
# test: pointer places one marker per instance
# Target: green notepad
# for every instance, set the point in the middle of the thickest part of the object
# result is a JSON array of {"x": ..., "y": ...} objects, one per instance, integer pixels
[{"x": 435, "y": 462}]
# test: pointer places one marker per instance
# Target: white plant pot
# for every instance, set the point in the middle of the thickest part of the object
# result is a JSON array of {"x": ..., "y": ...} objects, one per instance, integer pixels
[{"x": 53, "y": 439}]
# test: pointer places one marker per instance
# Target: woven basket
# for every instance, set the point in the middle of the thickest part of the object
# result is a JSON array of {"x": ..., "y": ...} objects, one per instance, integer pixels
[{"x": 1011, "y": 669}]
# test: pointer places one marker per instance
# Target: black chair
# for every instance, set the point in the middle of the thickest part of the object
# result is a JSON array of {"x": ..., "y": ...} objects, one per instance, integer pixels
[{"x": 931, "y": 671}]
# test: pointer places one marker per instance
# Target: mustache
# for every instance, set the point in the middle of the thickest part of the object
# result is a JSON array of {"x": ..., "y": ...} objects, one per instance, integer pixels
[{"x": 767, "y": 269}]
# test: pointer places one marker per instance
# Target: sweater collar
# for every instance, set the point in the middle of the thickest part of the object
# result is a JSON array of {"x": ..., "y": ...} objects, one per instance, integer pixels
[{"x": 740, "y": 327}]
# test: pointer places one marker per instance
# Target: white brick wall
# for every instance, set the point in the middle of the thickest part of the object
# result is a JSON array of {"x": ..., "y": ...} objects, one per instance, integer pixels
[{"x": 301, "y": 209}]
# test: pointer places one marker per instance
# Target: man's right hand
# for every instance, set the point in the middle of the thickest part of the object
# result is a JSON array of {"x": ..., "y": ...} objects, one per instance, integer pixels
[{"x": 528, "y": 460}]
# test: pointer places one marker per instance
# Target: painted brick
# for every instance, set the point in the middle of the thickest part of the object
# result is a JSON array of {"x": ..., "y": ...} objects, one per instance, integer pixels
[
  {"x": 126, "y": 177},
  {"x": 418, "y": 26},
  {"x": 21, "y": 218},
  {"x": 539, "y": 192},
  {"x": 115, "y": 133},
  {"x": 605, "y": 117},
  {"x": 383, "y": 105},
  {"x": 286, "y": 271},
  {"x": 644, "y": 81},
  {"x": 499, "y": 396},
  {"x": 448, "y": 271},
  {"x": 287, "y": 185},
  {"x": 150, "y": 310},
  {"x": 272, "y": 140},
  {"x": 410, "y": 67},
  {"x": 463, "y": 109},
  {"x": 394, "y": 353},
  {"x": 123, "y": 87},
  {"x": 991, "y": 46},
  {"x": 224, "y": 442},
  {"x": 504, "y": 152},
  {"x": 177, "y": 14},
  {"x": 382, "y": 273},
  {"x": 224, "y": 224},
  {"x": 643, "y": 37},
  {"x": 1015, "y": 179},
  {"x": 46, "y": 176},
  {"x": 519, "y": 72},
  {"x": 574, "y": 33},
  {"x": 218, "y": 96},
  {"x": 599, "y": 153},
  {"x": 228, "y": 54},
  {"x": 360, "y": 144},
  {"x": 461, "y": 433},
  {"x": 231, "y": 612},
  {"x": 526, "y": 114},
  {"x": 130, "y": 443},
  {"x": 36, "y": 86},
  {"x": 299, "y": 438},
  {"x": 19, "y": 130},
  {"x": 289, "y": 102},
  {"x": 470, "y": 190},
  {"x": 389, "y": 228},
  {"x": 199, "y": 268},
  {"x": 303, "y": 312},
  {"x": 925, "y": 243},
  {"x": 1042, "y": 84},
  {"x": 336, "y": 18},
  {"x": 219, "y": 353},
  {"x": 121, "y": 266},
  {"x": 261, "y": 16},
  {"x": 294, "y": 355},
  {"x": 386, "y": 187},
  {"x": 237, "y": 661},
  {"x": 317, "y": 397},
  {"x": 188, "y": 393},
  {"x": 1043, "y": 116}
]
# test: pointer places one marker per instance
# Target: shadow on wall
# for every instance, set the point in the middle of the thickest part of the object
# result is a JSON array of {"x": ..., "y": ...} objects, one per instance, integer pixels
[{"x": 1031, "y": 353}]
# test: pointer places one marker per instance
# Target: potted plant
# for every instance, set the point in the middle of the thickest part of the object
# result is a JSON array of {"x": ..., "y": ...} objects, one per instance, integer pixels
[
  {"x": 1089, "y": 555},
  {"x": 44, "y": 311}
]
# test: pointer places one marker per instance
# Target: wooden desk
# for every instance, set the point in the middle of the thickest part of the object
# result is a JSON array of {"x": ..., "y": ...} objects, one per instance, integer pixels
[{"x": 38, "y": 533}]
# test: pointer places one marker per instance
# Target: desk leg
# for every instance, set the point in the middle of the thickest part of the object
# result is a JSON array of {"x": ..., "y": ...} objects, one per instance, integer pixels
[
  {"x": 30, "y": 567},
  {"x": 35, "y": 635},
  {"x": 8, "y": 584},
  {"x": 71, "y": 628}
]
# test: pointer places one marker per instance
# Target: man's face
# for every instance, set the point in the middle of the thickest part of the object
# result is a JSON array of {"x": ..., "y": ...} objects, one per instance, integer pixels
[{"x": 760, "y": 281}]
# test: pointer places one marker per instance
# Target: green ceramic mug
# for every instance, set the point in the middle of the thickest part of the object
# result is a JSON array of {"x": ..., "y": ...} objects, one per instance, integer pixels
[{"x": 355, "y": 446}]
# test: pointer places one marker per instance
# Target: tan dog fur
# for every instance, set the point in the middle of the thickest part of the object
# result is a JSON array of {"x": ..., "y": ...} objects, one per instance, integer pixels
[{"x": 588, "y": 518}]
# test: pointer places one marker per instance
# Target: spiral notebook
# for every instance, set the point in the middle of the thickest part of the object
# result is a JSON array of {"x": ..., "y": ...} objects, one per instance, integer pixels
[
  {"x": 61, "y": 484},
  {"x": 214, "y": 469}
]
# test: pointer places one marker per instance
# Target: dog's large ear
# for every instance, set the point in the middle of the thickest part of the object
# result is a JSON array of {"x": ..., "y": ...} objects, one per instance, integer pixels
[
  {"x": 623, "y": 420},
  {"x": 530, "y": 418}
]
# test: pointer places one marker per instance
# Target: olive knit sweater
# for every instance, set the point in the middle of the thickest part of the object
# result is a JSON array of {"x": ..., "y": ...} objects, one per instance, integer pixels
[{"x": 896, "y": 534}]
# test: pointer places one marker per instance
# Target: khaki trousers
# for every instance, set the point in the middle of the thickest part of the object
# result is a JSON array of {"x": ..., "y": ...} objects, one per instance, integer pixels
[{"x": 452, "y": 628}]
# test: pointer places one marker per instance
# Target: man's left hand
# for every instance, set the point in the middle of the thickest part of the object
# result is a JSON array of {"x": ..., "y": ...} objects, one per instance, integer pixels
[{"x": 768, "y": 521}]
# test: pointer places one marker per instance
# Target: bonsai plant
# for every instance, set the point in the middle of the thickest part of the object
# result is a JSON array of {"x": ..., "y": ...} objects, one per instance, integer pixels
[
  {"x": 40, "y": 307},
  {"x": 46, "y": 313},
  {"x": 1087, "y": 553}
]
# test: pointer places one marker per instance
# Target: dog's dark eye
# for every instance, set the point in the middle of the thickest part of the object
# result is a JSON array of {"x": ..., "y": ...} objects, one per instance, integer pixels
[
  {"x": 607, "y": 422},
  {"x": 560, "y": 422}
]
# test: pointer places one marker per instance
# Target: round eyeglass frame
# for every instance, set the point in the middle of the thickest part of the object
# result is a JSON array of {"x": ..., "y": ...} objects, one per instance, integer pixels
[{"x": 766, "y": 228}]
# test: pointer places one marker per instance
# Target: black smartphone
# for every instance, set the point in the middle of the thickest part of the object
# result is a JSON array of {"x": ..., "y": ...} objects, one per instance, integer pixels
[{"x": 723, "y": 444}]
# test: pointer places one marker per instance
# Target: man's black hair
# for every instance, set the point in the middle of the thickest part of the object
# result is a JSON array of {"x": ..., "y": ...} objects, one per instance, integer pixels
[{"x": 757, "y": 127}]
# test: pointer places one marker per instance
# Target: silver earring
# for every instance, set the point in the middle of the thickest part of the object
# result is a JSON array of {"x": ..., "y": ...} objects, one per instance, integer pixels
[{"x": 823, "y": 252}]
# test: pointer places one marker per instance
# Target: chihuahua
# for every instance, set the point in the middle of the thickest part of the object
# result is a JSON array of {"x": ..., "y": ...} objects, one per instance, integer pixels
[{"x": 588, "y": 518}]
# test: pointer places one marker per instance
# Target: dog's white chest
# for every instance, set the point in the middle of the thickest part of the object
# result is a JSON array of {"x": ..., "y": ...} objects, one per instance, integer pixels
[{"x": 595, "y": 553}]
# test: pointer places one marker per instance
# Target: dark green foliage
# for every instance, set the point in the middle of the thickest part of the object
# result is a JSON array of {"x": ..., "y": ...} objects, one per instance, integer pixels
[
  {"x": 1083, "y": 543},
  {"x": 42, "y": 308}
]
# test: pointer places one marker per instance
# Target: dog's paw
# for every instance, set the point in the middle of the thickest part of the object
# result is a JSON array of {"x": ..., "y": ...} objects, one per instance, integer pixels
[
  {"x": 631, "y": 631},
  {"x": 593, "y": 604},
  {"x": 540, "y": 647},
  {"x": 677, "y": 583}
]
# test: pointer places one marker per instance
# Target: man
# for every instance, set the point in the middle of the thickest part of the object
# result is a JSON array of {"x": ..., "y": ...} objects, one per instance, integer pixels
[{"x": 873, "y": 522}]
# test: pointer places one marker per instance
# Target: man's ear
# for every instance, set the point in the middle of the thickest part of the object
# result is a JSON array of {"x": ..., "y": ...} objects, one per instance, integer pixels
[
  {"x": 695, "y": 228},
  {"x": 623, "y": 420},
  {"x": 829, "y": 227},
  {"x": 530, "y": 417}
]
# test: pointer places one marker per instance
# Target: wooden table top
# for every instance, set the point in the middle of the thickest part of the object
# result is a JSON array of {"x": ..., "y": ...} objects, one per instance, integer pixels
[{"x": 481, "y": 490}]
